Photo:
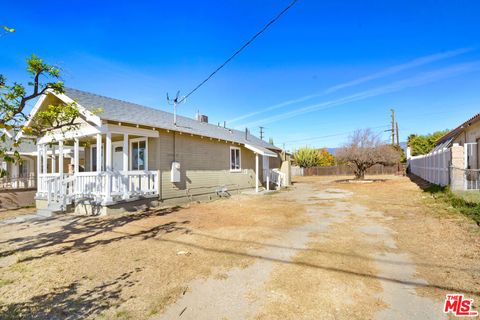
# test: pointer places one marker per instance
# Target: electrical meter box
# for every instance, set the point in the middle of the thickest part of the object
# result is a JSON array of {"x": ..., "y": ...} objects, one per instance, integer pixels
[{"x": 175, "y": 172}]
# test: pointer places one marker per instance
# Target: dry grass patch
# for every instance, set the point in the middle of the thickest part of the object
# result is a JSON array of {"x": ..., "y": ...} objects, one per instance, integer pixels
[
  {"x": 128, "y": 266},
  {"x": 444, "y": 245}
]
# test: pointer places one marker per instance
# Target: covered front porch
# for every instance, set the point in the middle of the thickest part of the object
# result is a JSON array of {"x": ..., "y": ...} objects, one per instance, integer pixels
[{"x": 112, "y": 168}]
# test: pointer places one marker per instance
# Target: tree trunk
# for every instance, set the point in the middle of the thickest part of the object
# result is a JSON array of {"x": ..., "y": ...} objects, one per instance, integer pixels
[{"x": 360, "y": 173}]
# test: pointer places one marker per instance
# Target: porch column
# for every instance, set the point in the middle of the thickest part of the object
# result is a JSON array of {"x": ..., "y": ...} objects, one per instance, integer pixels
[
  {"x": 53, "y": 161},
  {"x": 125, "y": 165},
  {"x": 44, "y": 159},
  {"x": 39, "y": 166},
  {"x": 99, "y": 152},
  {"x": 108, "y": 151},
  {"x": 108, "y": 166},
  {"x": 256, "y": 172},
  {"x": 76, "y": 156},
  {"x": 60, "y": 157},
  {"x": 15, "y": 175},
  {"x": 125, "y": 152}
]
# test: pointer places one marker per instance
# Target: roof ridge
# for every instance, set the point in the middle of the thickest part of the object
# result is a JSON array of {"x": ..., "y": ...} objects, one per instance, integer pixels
[
  {"x": 111, "y": 98},
  {"x": 452, "y": 132},
  {"x": 234, "y": 132},
  {"x": 148, "y": 107}
]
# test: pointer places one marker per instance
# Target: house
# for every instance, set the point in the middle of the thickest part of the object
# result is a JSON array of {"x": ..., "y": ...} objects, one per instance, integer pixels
[
  {"x": 135, "y": 155},
  {"x": 467, "y": 135},
  {"x": 22, "y": 174},
  {"x": 455, "y": 160}
]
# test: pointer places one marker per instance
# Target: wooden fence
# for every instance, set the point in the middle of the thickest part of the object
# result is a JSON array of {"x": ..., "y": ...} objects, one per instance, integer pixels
[{"x": 342, "y": 170}]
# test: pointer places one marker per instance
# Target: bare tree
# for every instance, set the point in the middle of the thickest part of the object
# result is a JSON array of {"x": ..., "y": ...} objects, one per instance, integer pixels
[{"x": 363, "y": 150}]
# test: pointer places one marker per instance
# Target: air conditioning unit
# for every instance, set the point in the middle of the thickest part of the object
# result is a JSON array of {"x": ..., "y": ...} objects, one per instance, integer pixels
[{"x": 175, "y": 172}]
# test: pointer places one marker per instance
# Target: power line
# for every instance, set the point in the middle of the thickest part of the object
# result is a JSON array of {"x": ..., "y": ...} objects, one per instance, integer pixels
[{"x": 241, "y": 48}]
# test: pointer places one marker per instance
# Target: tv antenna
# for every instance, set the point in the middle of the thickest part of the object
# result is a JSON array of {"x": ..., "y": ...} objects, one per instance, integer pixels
[{"x": 174, "y": 102}]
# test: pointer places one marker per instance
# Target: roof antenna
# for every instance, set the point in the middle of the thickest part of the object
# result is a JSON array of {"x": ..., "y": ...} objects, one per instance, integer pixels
[{"x": 174, "y": 102}]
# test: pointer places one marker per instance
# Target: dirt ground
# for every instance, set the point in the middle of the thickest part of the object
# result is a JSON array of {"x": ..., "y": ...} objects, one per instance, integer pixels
[
  {"x": 6, "y": 214},
  {"x": 324, "y": 249}
]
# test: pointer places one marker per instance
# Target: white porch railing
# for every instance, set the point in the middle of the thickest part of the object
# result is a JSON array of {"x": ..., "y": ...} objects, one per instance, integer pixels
[
  {"x": 277, "y": 177},
  {"x": 103, "y": 187}
]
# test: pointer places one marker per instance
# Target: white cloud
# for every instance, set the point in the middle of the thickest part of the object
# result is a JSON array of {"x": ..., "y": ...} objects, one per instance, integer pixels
[
  {"x": 386, "y": 72},
  {"x": 416, "y": 81}
]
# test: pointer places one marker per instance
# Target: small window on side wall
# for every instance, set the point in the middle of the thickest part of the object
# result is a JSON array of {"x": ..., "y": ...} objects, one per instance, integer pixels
[{"x": 235, "y": 164}]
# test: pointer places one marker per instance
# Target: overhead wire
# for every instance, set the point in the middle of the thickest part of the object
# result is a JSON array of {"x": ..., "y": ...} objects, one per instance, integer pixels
[{"x": 246, "y": 44}]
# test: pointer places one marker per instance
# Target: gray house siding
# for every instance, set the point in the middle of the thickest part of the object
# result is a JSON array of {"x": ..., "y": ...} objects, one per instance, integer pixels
[{"x": 204, "y": 165}]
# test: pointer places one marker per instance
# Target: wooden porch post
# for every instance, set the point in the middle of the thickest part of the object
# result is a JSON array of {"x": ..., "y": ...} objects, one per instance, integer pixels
[
  {"x": 125, "y": 165},
  {"x": 45, "y": 159},
  {"x": 15, "y": 174},
  {"x": 108, "y": 167},
  {"x": 39, "y": 165},
  {"x": 76, "y": 156},
  {"x": 54, "y": 160},
  {"x": 256, "y": 172},
  {"x": 99, "y": 152},
  {"x": 108, "y": 151},
  {"x": 60, "y": 157}
]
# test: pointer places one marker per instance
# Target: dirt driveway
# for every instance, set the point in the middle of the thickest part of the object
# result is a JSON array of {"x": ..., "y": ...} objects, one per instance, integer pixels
[{"x": 325, "y": 249}]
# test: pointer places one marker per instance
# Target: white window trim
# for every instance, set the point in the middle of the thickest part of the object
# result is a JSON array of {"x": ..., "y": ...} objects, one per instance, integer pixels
[
  {"x": 130, "y": 149},
  {"x": 230, "y": 159},
  {"x": 91, "y": 157}
]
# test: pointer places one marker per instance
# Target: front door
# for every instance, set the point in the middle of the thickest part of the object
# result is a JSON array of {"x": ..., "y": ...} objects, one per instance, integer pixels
[{"x": 117, "y": 156}]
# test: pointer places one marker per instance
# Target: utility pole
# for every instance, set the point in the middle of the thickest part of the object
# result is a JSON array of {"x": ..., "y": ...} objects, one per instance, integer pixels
[
  {"x": 396, "y": 125},
  {"x": 393, "y": 126},
  {"x": 261, "y": 132}
]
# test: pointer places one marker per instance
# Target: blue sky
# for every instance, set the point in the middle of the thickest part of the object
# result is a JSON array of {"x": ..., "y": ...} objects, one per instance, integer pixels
[{"x": 323, "y": 70}]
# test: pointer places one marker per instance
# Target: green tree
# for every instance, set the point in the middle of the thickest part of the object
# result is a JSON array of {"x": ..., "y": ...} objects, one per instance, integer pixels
[
  {"x": 13, "y": 102},
  {"x": 307, "y": 157},
  {"x": 423, "y": 144}
]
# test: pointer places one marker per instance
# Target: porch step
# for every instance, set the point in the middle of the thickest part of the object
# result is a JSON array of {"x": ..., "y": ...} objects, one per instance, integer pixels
[{"x": 53, "y": 209}]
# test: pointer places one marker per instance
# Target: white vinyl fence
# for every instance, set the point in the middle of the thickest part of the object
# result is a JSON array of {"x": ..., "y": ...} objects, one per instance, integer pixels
[
  {"x": 433, "y": 167},
  {"x": 472, "y": 170}
]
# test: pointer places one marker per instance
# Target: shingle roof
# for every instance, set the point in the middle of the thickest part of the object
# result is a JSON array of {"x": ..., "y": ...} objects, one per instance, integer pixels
[
  {"x": 448, "y": 138},
  {"x": 127, "y": 112},
  {"x": 26, "y": 146}
]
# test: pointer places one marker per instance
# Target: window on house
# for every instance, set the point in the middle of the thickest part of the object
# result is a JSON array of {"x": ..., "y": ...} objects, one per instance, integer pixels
[
  {"x": 235, "y": 159},
  {"x": 139, "y": 155}
]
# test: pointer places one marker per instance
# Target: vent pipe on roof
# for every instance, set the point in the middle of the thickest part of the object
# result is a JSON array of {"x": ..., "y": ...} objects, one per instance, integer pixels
[
  {"x": 224, "y": 124},
  {"x": 246, "y": 133}
]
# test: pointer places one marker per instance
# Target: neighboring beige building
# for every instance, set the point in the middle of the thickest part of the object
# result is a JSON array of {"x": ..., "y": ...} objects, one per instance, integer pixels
[
  {"x": 135, "y": 155},
  {"x": 455, "y": 160},
  {"x": 466, "y": 135}
]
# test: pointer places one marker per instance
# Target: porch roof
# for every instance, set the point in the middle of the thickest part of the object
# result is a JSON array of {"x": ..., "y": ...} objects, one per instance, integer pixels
[
  {"x": 127, "y": 112},
  {"x": 261, "y": 150}
]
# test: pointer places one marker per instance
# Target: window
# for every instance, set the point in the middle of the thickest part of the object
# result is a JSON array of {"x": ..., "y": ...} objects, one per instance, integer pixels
[
  {"x": 118, "y": 149},
  {"x": 235, "y": 164},
  {"x": 139, "y": 155}
]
